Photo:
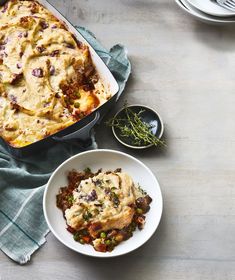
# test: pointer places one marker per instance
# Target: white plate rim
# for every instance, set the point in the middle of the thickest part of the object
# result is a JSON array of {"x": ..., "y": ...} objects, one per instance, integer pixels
[
  {"x": 95, "y": 253},
  {"x": 223, "y": 12},
  {"x": 203, "y": 17}
]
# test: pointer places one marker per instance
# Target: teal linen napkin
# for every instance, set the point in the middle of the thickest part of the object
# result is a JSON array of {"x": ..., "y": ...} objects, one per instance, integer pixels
[{"x": 22, "y": 224}]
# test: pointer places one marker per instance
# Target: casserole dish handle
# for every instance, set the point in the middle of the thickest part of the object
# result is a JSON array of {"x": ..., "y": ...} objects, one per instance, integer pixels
[{"x": 83, "y": 134}]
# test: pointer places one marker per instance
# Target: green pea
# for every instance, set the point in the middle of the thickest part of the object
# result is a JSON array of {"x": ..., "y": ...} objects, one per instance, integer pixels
[
  {"x": 139, "y": 211},
  {"x": 78, "y": 94},
  {"x": 82, "y": 241},
  {"x": 102, "y": 234},
  {"x": 76, "y": 104},
  {"x": 108, "y": 242}
]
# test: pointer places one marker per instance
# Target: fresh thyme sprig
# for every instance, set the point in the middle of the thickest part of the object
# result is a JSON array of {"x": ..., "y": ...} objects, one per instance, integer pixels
[{"x": 132, "y": 127}]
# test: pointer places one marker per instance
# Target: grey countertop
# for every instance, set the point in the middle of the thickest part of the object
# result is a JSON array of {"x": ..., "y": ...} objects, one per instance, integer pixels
[{"x": 185, "y": 70}]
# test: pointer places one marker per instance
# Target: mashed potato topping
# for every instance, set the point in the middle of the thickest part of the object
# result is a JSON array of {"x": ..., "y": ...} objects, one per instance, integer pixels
[
  {"x": 106, "y": 198},
  {"x": 47, "y": 78}
]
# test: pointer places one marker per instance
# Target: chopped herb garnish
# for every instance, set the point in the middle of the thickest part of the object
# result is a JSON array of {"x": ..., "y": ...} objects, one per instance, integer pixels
[
  {"x": 141, "y": 190},
  {"x": 87, "y": 215},
  {"x": 76, "y": 236},
  {"x": 99, "y": 204},
  {"x": 87, "y": 170},
  {"x": 70, "y": 199},
  {"x": 115, "y": 199}
]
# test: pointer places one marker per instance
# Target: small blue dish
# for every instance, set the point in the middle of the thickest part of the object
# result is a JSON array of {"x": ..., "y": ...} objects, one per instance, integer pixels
[{"x": 148, "y": 116}]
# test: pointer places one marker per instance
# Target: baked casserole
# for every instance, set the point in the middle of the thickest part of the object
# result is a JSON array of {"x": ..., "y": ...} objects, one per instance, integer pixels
[
  {"x": 103, "y": 208},
  {"x": 47, "y": 78}
]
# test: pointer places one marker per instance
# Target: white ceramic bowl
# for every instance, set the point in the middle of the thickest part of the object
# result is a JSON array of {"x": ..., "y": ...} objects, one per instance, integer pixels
[{"x": 107, "y": 160}]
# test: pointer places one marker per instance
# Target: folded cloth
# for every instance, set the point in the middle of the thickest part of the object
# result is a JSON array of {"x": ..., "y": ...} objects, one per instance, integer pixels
[{"x": 22, "y": 224}]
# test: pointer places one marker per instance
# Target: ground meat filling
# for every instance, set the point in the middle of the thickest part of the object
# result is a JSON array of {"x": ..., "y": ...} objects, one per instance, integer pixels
[{"x": 92, "y": 233}]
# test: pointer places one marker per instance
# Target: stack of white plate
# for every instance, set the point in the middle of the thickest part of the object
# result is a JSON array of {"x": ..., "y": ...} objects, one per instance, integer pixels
[{"x": 207, "y": 10}]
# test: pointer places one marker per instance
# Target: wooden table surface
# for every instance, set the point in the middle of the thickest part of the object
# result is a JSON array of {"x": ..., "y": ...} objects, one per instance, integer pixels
[{"x": 185, "y": 70}]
